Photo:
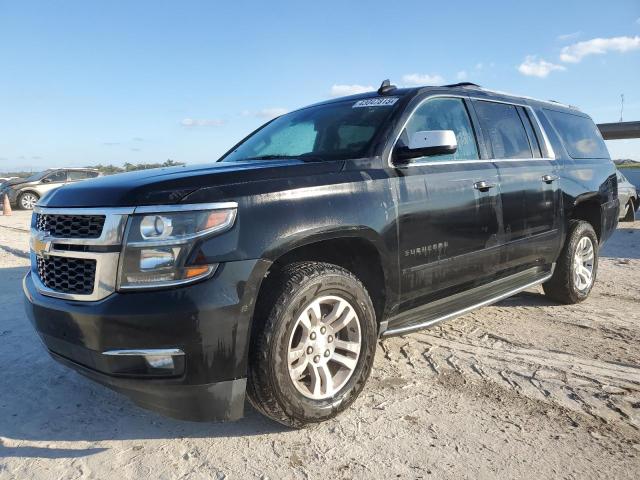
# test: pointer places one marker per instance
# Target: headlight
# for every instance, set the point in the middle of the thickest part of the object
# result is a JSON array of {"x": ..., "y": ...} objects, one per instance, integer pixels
[{"x": 159, "y": 242}]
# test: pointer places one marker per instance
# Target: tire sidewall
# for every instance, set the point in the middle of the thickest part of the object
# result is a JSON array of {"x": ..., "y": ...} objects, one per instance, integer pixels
[
  {"x": 582, "y": 230},
  {"x": 290, "y": 399}
]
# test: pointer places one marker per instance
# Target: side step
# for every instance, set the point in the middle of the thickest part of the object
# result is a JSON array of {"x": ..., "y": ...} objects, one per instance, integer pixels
[{"x": 464, "y": 302}]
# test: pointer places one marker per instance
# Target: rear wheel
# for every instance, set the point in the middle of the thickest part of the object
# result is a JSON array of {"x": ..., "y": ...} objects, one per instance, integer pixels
[
  {"x": 630, "y": 212},
  {"x": 312, "y": 356},
  {"x": 576, "y": 267},
  {"x": 28, "y": 200}
]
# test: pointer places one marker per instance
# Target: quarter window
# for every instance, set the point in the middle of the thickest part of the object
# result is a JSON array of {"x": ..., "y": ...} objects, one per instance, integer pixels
[
  {"x": 579, "y": 135},
  {"x": 503, "y": 127}
]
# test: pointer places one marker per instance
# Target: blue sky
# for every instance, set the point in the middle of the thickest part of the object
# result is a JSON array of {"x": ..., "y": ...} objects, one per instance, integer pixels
[{"x": 85, "y": 82}]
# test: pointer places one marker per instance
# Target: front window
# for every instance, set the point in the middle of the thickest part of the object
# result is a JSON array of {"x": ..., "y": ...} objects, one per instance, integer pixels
[
  {"x": 57, "y": 177},
  {"x": 444, "y": 114},
  {"x": 334, "y": 131}
]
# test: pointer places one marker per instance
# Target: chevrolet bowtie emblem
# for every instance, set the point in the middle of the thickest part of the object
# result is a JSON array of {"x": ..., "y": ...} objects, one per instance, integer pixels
[{"x": 39, "y": 245}]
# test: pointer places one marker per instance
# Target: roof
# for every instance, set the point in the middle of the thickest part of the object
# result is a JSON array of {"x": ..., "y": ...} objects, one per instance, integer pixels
[
  {"x": 463, "y": 88},
  {"x": 72, "y": 168}
]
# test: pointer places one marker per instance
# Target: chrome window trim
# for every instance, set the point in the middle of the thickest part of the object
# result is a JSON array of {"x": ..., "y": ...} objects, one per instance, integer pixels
[{"x": 534, "y": 117}]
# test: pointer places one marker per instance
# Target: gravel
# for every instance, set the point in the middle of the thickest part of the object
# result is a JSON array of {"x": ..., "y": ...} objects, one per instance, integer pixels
[{"x": 523, "y": 389}]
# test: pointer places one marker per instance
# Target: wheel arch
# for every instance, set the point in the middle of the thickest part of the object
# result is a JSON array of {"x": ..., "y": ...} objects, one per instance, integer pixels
[
  {"x": 358, "y": 250},
  {"x": 588, "y": 207}
]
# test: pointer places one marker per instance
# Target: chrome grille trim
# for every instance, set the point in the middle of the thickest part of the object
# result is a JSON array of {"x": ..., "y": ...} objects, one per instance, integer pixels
[
  {"x": 67, "y": 275},
  {"x": 43, "y": 244},
  {"x": 70, "y": 226}
]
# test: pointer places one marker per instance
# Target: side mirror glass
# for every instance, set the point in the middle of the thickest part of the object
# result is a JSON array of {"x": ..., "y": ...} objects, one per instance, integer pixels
[{"x": 427, "y": 143}]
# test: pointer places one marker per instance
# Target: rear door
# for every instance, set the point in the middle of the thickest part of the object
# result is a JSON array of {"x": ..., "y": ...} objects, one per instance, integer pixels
[
  {"x": 528, "y": 177},
  {"x": 77, "y": 175},
  {"x": 448, "y": 218}
]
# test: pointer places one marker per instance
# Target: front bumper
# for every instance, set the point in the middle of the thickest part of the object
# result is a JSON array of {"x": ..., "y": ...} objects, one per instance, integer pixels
[{"x": 208, "y": 321}]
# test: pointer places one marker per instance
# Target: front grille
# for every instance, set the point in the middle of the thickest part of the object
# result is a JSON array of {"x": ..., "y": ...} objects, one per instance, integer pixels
[
  {"x": 67, "y": 275},
  {"x": 70, "y": 226}
]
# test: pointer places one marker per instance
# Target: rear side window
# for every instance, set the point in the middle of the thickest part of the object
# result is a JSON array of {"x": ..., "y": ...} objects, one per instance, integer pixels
[
  {"x": 77, "y": 175},
  {"x": 503, "y": 127},
  {"x": 579, "y": 135}
]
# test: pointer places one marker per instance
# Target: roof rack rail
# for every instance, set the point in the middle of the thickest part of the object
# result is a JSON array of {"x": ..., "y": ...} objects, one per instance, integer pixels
[
  {"x": 463, "y": 84},
  {"x": 386, "y": 87}
]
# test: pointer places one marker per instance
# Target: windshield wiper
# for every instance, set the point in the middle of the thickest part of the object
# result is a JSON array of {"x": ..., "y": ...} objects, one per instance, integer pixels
[
  {"x": 271, "y": 157},
  {"x": 304, "y": 157}
]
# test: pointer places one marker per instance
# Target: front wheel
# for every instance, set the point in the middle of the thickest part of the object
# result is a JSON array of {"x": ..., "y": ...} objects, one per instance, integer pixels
[
  {"x": 576, "y": 267},
  {"x": 311, "y": 357},
  {"x": 28, "y": 200}
]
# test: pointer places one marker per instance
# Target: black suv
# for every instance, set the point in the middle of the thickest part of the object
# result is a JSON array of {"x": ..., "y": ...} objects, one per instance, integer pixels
[{"x": 273, "y": 271}]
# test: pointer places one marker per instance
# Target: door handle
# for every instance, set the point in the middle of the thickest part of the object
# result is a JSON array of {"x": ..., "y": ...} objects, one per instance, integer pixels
[
  {"x": 549, "y": 178},
  {"x": 483, "y": 185}
]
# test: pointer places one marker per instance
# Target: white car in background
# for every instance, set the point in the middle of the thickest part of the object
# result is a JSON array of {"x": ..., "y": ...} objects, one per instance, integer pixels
[{"x": 628, "y": 196}]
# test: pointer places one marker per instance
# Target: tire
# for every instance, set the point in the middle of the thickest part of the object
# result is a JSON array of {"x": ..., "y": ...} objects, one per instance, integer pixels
[
  {"x": 28, "y": 200},
  {"x": 565, "y": 286},
  {"x": 271, "y": 388},
  {"x": 630, "y": 212}
]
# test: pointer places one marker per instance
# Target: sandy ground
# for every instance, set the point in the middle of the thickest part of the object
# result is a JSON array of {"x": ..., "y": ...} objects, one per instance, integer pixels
[{"x": 522, "y": 389}]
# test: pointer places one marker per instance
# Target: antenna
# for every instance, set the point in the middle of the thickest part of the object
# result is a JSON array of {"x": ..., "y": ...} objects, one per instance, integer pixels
[
  {"x": 386, "y": 87},
  {"x": 621, "y": 107}
]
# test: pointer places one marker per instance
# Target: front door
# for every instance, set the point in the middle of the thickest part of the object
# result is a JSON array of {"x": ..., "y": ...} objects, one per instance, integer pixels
[
  {"x": 448, "y": 216},
  {"x": 52, "y": 181}
]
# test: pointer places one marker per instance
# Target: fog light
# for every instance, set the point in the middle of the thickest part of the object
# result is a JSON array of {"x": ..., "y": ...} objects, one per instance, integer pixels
[
  {"x": 154, "y": 362},
  {"x": 159, "y": 361}
]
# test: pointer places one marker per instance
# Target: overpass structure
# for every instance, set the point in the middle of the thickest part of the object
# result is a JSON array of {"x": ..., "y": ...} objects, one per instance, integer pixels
[{"x": 619, "y": 130}]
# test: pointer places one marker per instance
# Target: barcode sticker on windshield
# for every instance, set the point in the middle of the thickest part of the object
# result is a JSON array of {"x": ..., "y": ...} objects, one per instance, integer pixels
[{"x": 376, "y": 102}]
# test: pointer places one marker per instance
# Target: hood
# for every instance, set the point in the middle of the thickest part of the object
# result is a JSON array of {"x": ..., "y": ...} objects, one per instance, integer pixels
[
  {"x": 15, "y": 181},
  {"x": 163, "y": 186}
]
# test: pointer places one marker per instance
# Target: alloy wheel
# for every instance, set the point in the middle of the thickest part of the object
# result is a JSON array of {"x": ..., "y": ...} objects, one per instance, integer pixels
[
  {"x": 28, "y": 201},
  {"x": 583, "y": 264},
  {"x": 324, "y": 347}
]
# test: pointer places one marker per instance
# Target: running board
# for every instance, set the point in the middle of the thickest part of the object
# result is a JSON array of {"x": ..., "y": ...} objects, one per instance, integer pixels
[{"x": 464, "y": 302}]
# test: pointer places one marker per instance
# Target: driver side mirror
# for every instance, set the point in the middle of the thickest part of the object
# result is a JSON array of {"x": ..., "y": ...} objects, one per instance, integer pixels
[
  {"x": 46, "y": 180},
  {"x": 427, "y": 143}
]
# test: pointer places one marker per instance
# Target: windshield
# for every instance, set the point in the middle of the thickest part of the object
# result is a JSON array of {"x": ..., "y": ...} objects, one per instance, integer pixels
[
  {"x": 36, "y": 176},
  {"x": 334, "y": 131}
]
